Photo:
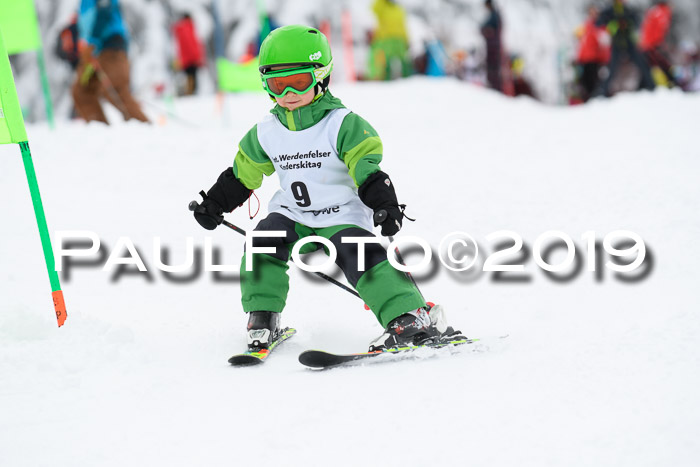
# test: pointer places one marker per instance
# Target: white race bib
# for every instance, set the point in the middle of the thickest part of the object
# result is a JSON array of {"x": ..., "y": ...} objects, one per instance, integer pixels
[{"x": 316, "y": 187}]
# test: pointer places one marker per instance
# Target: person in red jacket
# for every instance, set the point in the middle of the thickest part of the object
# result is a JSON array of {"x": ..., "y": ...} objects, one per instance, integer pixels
[
  {"x": 189, "y": 51},
  {"x": 593, "y": 53},
  {"x": 655, "y": 26}
]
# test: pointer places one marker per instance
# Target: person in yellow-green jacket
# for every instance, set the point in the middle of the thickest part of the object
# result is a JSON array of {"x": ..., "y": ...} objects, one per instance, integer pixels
[
  {"x": 389, "y": 57},
  {"x": 327, "y": 160}
]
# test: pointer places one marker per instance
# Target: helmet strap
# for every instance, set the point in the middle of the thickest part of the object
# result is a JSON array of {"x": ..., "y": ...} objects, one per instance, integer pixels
[{"x": 322, "y": 86}]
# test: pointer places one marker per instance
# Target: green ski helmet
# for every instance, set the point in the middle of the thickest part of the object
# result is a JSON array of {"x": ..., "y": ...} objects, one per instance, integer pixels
[{"x": 302, "y": 47}]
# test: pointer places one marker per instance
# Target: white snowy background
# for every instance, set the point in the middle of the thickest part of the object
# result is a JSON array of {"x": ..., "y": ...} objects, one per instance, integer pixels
[{"x": 595, "y": 371}]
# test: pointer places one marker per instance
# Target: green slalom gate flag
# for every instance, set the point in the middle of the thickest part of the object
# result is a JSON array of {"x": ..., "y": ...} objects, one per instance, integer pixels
[
  {"x": 12, "y": 131},
  {"x": 19, "y": 23},
  {"x": 237, "y": 77},
  {"x": 11, "y": 120}
]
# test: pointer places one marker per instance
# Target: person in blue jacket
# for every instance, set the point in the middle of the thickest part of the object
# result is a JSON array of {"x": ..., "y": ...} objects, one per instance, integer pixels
[{"x": 103, "y": 69}]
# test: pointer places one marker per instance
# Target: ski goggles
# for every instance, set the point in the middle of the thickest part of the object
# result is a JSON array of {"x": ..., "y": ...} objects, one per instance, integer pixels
[{"x": 296, "y": 80}]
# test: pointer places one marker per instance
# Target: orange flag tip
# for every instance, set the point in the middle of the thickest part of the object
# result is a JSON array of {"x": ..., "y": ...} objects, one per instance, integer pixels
[{"x": 60, "y": 306}]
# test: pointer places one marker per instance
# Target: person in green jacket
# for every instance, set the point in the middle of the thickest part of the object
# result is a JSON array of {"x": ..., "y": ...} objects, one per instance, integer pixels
[{"x": 331, "y": 186}]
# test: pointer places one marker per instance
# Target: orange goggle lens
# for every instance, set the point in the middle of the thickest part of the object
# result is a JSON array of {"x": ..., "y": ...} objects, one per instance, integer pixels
[{"x": 299, "y": 83}]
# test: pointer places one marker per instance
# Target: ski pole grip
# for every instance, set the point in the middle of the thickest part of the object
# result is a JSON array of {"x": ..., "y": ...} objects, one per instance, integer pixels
[{"x": 380, "y": 216}]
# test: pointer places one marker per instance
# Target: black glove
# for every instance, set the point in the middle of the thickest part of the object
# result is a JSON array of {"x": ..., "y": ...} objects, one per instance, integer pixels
[
  {"x": 209, "y": 214},
  {"x": 378, "y": 193},
  {"x": 224, "y": 196}
]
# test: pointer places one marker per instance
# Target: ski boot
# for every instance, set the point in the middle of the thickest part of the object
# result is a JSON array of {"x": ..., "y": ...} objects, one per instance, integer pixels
[
  {"x": 404, "y": 330},
  {"x": 422, "y": 326},
  {"x": 438, "y": 321},
  {"x": 263, "y": 329}
]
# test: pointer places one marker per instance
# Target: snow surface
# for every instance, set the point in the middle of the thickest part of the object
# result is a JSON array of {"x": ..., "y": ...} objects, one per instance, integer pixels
[{"x": 592, "y": 373}]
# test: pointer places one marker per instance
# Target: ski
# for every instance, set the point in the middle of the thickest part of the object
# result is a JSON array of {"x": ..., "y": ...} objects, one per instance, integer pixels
[
  {"x": 250, "y": 357},
  {"x": 322, "y": 359}
]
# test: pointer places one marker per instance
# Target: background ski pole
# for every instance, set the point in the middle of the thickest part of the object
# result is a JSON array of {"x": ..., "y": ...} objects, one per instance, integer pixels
[
  {"x": 194, "y": 205},
  {"x": 111, "y": 90},
  {"x": 170, "y": 113}
]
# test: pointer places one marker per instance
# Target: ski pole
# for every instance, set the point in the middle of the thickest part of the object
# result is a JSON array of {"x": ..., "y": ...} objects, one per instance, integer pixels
[
  {"x": 170, "y": 113},
  {"x": 194, "y": 205},
  {"x": 379, "y": 217}
]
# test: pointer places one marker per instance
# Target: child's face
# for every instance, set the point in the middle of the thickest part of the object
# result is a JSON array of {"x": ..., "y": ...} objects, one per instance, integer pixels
[{"x": 292, "y": 101}]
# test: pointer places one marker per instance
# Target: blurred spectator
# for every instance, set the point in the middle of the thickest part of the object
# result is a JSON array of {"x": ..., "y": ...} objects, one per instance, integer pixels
[
  {"x": 190, "y": 54},
  {"x": 103, "y": 70},
  {"x": 436, "y": 58},
  {"x": 67, "y": 43},
  {"x": 389, "y": 47},
  {"x": 491, "y": 30},
  {"x": 251, "y": 52},
  {"x": 593, "y": 53},
  {"x": 521, "y": 86},
  {"x": 655, "y": 26},
  {"x": 689, "y": 69},
  {"x": 471, "y": 68},
  {"x": 268, "y": 23},
  {"x": 621, "y": 21}
]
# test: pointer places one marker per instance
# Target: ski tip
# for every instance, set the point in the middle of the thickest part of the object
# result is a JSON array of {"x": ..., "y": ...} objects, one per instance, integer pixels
[
  {"x": 245, "y": 360},
  {"x": 250, "y": 358},
  {"x": 314, "y": 358}
]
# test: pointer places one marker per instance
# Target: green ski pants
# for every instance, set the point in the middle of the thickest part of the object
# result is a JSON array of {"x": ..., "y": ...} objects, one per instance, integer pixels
[{"x": 388, "y": 292}]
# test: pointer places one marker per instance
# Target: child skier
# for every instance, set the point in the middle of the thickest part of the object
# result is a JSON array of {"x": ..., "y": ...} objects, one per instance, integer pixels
[{"x": 327, "y": 159}]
